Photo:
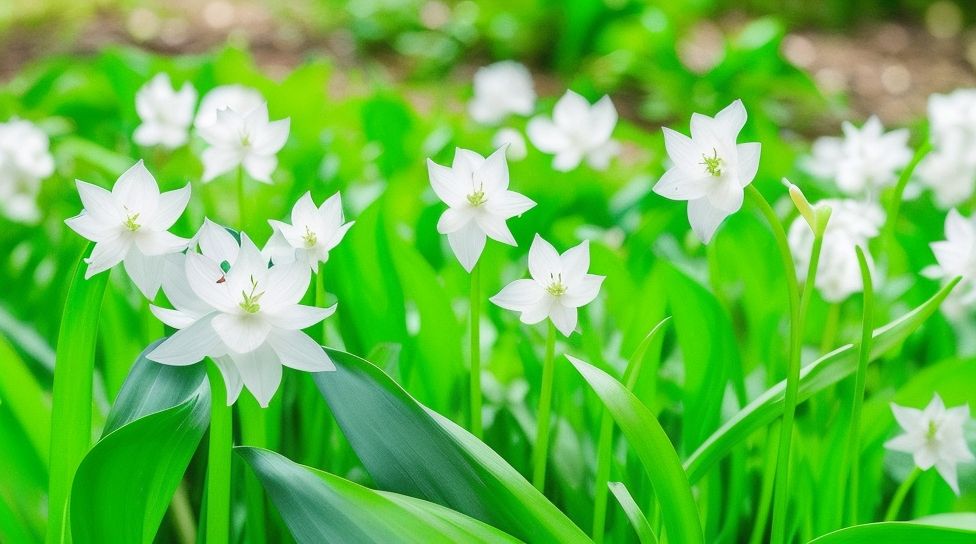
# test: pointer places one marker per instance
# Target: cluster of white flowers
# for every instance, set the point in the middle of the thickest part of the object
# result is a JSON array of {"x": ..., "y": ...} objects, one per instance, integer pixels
[
  {"x": 950, "y": 169},
  {"x": 25, "y": 161},
  {"x": 863, "y": 161}
]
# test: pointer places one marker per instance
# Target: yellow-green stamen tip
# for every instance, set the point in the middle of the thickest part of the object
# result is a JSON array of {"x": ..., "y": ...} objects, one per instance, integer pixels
[
  {"x": 130, "y": 222},
  {"x": 556, "y": 288},
  {"x": 310, "y": 238},
  {"x": 477, "y": 198},
  {"x": 250, "y": 303},
  {"x": 713, "y": 164}
]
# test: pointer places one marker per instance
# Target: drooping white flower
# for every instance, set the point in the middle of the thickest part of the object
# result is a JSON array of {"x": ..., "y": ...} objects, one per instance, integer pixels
[
  {"x": 479, "y": 202},
  {"x": 254, "y": 323},
  {"x": 166, "y": 113},
  {"x": 239, "y": 98},
  {"x": 864, "y": 161},
  {"x": 246, "y": 140},
  {"x": 514, "y": 140},
  {"x": 312, "y": 234},
  {"x": 710, "y": 170},
  {"x": 501, "y": 89},
  {"x": 25, "y": 160},
  {"x": 950, "y": 171},
  {"x": 577, "y": 131},
  {"x": 934, "y": 436},
  {"x": 852, "y": 223},
  {"x": 559, "y": 285},
  {"x": 130, "y": 224}
]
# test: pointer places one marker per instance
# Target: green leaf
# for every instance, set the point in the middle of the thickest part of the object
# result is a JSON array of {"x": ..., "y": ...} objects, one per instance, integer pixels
[
  {"x": 637, "y": 520},
  {"x": 944, "y": 529},
  {"x": 816, "y": 376},
  {"x": 26, "y": 399},
  {"x": 656, "y": 453},
  {"x": 321, "y": 507},
  {"x": 411, "y": 450},
  {"x": 126, "y": 482}
]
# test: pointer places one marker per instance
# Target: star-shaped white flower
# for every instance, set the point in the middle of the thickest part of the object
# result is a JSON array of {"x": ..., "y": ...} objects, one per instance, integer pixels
[
  {"x": 956, "y": 255},
  {"x": 246, "y": 140},
  {"x": 239, "y": 98},
  {"x": 130, "y": 224},
  {"x": 25, "y": 160},
  {"x": 514, "y": 140},
  {"x": 710, "y": 170},
  {"x": 247, "y": 318},
  {"x": 166, "y": 113},
  {"x": 934, "y": 437},
  {"x": 865, "y": 160},
  {"x": 479, "y": 202},
  {"x": 559, "y": 285},
  {"x": 950, "y": 170},
  {"x": 312, "y": 234},
  {"x": 501, "y": 89},
  {"x": 577, "y": 131}
]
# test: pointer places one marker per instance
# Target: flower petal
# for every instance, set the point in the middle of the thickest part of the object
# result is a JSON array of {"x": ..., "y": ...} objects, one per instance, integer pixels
[
  {"x": 509, "y": 204},
  {"x": 203, "y": 275},
  {"x": 218, "y": 161},
  {"x": 575, "y": 262},
  {"x": 217, "y": 243},
  {"x": 285, "y": 286},
  {"x": 495, "y": 227},
  {"x": 683, "y": 152},
  {"x": 748, "y": 161},
  {"x": 298, "y": 316},
  {"x": 584, "y": 292},
  {"x": 171, "y": 206},
  {"x": 732, "y": 118},
  {"x": 704, "y": 218},
  {"x": 454, "y": 219},
  {"x": 297, "y": 350},
  {"x": 107, "y": 254},
  {"x": 492, "y": 175},
  {"x": 272, "y": 138},
  {"x": 188, "y": 346},
  {"x": 138, "y": 192},
  {"x": 445, "y": 185},
  {"x": 260, "y": 167},
  {"x": 546, "y": 136},
  {"x": 154, "y": 243},
  {"x": 242, "y": 332},
  {"x": 676, "y": 184},
  {"x": 564, "y": 318},
  {"x": 145, "y": 271},
  {"x": 467, "y": 245},
  {"x": 260, "y": 371},
  {"x": 86, "y": 225},
  {"x": 99, "y": 203},
  {"x": 232, "y": 378},
  {"x": 519, "y": 295},
  {"x": 544, "y": 261}
]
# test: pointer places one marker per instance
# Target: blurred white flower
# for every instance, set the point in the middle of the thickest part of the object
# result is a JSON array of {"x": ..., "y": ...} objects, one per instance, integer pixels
[
  {"x": 313, "y": 232},
  {"x": 243, "y": 140},
  {"x": 864, "y": 161},
  {"x": 710, "y": 170},
  {"x": 852, "y": 223},
  {"x": 934, "y": 437},
  {"x": 952, "y": 114},
  {"x": 950, "y": 171},
  {"x": 479, "y": 202},
  {"x": 130, "y": 224},
  {"x": 166, "y": 113},
  {"x": 956, "y": 256},
  {"x": 501, "y": 89},
  {"x": 254, "y": 323},
  {"x": 25, "y": 160},
  {"x": 239, "y": 98},
  {"x": 559, "y": 285},
  {"x": 577, "y": 131},
  {"x": 514, "y": 140}
]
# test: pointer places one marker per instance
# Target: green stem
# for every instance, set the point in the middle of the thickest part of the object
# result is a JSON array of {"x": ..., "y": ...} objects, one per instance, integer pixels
[
  {"x": 781, "y": 487},
  {"x": 899, "y": 497},
  {"x": 254, "y": 432},
  {"x": 863, "y": 355},
  {"x": 604, "y": 451},
  {"x": 182, "y": 515},
  {"x": 475, "y": 395},
  {"x": 765, "y": 495},
  {"x": 541, "y": 453},
  {"x": 218, "y": 460},
  {"x": 831, "y": 327},
  {"x": 241, "y": 199},
  {"x": 894, "y": 204},
  {"x": 320, "y": 297}
]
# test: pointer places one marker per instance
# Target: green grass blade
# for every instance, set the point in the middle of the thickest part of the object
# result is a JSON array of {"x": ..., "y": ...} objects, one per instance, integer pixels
[
  {"x": 944, "y": 529},
  {"x": 654, "y": 448},
  {"x": 633, "y": 512},
  {"x": 26, "y": 399}
]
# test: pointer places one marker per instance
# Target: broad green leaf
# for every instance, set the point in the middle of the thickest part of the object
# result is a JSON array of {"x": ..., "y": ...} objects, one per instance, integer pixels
[
  {"x": 321, "y": 507},
  {"x": 637, "y": 520},
  {"x": 411, "y": 450},
  {"x": 25, "y": 398},
  {"x": 656, "y": 453},
  {"x": 126, "y": 482},
  {"x": 816, "y": 376},
  {"x": 943, "y": 529}
]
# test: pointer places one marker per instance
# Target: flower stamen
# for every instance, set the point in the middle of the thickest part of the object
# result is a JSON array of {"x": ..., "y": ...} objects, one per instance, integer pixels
[
  {"x": 556, "y": 286},
  {"x": 130, "y": 222},
  {"x": 713, "y": 164},
  {"x": 250, "y": 303},
  {"x": 310, "y": 238}
]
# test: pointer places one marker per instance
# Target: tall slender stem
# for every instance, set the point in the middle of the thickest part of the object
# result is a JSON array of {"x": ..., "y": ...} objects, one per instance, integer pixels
[
  {"x": 541, "y": 453},
  {"x": 831, "y": 326},
  {"x": 218, "y": 460},
  {"x": 320, "y": 297},
  {"x": 604, "y": 451},
  {"x": 241, "y": 199},
  {"x": 894, "y": 205},
  {"x": 476, "y": 351},
  {"x": 863, "y": 354},
  {"x": 781, "y": 487},
  {"x": 899, "y": 497}
]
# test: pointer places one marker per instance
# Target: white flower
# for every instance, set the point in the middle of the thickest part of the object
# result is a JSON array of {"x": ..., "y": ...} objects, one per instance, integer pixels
[
  {"x": 934, "y": 437},
  {"x": 166, "y": 113},
  {"x": 130, "y": 224},
  {"x": 479, "y": 202},
  {"x": 560, "y": 284},
  {"x": 248, "y": 318},
  {"x": 852, "y": 223},
  {"x": 952, "y": 114},
  {"x": 865, "y": 160},
  {"x": 577, "y": 131},
  {"x": 501, "y": 89},
  {"x": 239, "y": 98},
  {"x": 513, "y": 139},
  {"x": 710, "y": 170},
  {"x": 956, "y": 256},
  {"x": 950, "y": 170},
  {"x": 246, "y": 140},
  {"x": 313, "y": 232},
  {"x": 25, "y": 160}
]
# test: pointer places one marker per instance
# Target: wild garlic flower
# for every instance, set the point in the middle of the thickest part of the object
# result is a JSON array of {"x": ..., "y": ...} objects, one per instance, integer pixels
[
  {"x": 239, "y": 98},
  {"x": 501, "y": 89},
  {"x": 248, "y": 140},
  {"x": 934, "y": 436},
  {"x": 312, "y": 234},
  {"x": 252, "y": 323},
  {"x": 130, "y": 224},
  {"x": 25, "y": 160},
  {"x": 864, "y": 161},
  {"x": 559, "y": 285},
  {"x": 166, "y": 113},
  {"x": 710, "y": 170},
  {"x": 479, "y": 202},
  {"x": 577, "y": 131}
]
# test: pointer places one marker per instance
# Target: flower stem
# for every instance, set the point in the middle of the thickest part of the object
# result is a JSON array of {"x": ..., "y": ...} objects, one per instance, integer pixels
[
  {"x": 831, "y": 326},
  {"x": 781, "y": 487},
  {"x": 863, "y": 354},
  {"x": 899, "y": 497},
  {"x": 894, "y": 204},
  {"x": 476, "y": 351},
  {"x": 241, "y": 198},
  {"x": 541, "y": 453},
  {"x": 320, "y": 297},
  {"x": 218, "y": 460}
]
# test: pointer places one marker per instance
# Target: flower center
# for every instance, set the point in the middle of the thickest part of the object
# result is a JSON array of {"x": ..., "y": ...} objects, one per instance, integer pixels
[
  {"x": 713, "y": 164},
  {"x": 250, "y": 302},
  {"x": 477, "y": 198},
  {"x": 932, "y": 431},
  {"x": 130, "y": 222},
  {"x": 310, "y": 238},
  {"x": 556, "y": 286}
]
